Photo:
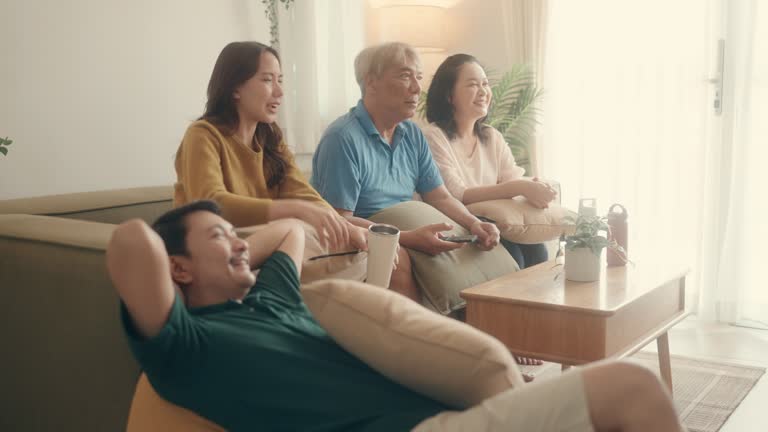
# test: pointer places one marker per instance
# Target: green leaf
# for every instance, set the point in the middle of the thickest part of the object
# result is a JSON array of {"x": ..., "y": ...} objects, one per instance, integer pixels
[
  {"x": 514, "y": 109},
  {"x": 591, "y": 232},
  {"x": 4, "y": 151},
  {"x": 421, "y": 107}
]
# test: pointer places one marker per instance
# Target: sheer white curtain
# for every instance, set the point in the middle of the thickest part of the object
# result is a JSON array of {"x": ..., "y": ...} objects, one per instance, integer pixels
[
  {"x": 525, "y": 35},
  {"x": 318, "y": 43},
  {"x": 625, "y": 116},
  {"x": 733, "y": 285}
]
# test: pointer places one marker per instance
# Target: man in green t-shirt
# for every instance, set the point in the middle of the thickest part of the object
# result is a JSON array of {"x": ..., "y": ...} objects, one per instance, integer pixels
[{"x": 246, "y": 353}]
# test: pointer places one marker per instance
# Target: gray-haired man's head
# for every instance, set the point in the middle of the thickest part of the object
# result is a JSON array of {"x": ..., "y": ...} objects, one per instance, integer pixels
[{"x": 388, "y": 75}]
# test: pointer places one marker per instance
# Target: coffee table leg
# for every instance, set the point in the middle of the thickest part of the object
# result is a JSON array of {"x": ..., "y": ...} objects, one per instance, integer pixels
[{"x": 662, "y": 343}]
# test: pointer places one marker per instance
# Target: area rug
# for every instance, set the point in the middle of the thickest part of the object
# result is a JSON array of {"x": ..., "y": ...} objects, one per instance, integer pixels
[{"x": 706, "y": 393}]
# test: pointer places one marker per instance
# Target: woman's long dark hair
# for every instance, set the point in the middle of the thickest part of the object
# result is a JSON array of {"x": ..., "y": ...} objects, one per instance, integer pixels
[
  {"x": 439, "y": 107},
  {"x": 237, "y": 63}
]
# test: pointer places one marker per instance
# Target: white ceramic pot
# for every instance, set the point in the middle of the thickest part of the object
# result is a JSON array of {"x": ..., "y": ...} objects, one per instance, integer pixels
[{"x": 582, "y": 265}]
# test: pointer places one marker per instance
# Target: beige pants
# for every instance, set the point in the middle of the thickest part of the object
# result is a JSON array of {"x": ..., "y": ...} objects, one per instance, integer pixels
[{"x": 552, "y": 405}]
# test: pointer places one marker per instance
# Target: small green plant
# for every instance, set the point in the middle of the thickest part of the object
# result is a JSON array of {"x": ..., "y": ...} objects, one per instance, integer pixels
[
  {"x": 588, "y": 233},
  {"x": 592, "y": 232},
  {"x": 4, "y": 143}
]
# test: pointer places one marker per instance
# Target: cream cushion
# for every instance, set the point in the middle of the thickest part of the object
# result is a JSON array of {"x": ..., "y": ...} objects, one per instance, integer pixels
[
  {"x": 151, "y": 413},
  {"x": 439, "y": 357},
  {"x": 520, "y": 222},
  {"x": 351, "y": 267},
  {"x": 442, "y": 277}
]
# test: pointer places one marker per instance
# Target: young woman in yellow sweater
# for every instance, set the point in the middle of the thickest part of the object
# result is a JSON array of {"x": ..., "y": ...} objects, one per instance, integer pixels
[{"x": 235, "y": 153}]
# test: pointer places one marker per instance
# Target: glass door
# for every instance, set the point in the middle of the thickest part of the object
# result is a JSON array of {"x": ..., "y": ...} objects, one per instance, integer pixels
[
  {"x": 628, "y": 117},
  {"x": 741, "y": 291}
]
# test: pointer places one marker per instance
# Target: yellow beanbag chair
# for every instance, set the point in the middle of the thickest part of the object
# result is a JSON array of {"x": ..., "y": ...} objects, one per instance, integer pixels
[{"x": 151, "y": 413}]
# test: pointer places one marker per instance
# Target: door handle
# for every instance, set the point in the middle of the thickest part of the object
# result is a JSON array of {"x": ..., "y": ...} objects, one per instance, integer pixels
[{"x": 717, "y": 80}]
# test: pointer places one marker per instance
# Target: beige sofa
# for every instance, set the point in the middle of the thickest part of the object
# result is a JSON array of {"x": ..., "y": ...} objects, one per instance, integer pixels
[{"x": 65, "y": 364}]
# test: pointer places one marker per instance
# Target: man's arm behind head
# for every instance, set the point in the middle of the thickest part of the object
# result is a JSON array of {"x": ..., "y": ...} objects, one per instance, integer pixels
[
  {"x": 285, "y": 235},
  {"x": 140, "y": 271}
]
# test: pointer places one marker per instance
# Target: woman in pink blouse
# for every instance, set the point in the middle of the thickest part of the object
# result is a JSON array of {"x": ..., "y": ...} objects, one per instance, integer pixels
[{"x": 474, "y": 160}]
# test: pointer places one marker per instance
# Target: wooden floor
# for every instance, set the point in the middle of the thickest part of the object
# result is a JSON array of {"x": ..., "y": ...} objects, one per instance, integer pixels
[{"x": 733, "y": 344}]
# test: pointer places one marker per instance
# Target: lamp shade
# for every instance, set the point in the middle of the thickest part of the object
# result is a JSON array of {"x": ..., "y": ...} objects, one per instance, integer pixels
[
  {"x": 423, "y": 27},
  {"x": 447, "y": 4}
]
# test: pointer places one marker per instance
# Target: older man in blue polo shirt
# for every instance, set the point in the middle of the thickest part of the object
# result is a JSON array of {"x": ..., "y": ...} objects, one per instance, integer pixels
[{"x": 374, "y": 157}]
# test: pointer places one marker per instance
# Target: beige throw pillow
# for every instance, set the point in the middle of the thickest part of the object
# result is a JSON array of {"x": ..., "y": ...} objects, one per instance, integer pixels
[
  {"x": 439, "y": 357},
  {"x": 441, "y": 278},
  {"x": 520, "y": 222},
  {"x": 351, "y": 267}
]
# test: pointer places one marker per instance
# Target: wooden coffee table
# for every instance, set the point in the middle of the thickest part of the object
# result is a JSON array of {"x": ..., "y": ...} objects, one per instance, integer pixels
[{"x": 537, "y": 313}]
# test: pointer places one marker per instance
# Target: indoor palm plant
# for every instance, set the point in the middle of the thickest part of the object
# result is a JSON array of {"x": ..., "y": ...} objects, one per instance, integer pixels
[{"x": 514, "y": 109}]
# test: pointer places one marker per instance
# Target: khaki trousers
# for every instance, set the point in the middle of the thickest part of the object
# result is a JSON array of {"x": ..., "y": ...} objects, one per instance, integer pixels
[{"x": 552, "y": 405}]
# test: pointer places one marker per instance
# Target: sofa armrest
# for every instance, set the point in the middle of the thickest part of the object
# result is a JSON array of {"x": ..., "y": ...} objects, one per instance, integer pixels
[
  {"x": 56, "y": 231},
  {"x": 66, "y": 364}
]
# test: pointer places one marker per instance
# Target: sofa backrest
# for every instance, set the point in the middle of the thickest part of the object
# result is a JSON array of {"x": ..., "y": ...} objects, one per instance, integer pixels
[
  {"x": 65, "y": 361},
  {"x": 109, "y": 206}
]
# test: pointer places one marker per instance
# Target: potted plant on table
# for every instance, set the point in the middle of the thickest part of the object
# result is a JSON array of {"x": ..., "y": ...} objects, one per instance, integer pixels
[{"x": 584, "y": 248}]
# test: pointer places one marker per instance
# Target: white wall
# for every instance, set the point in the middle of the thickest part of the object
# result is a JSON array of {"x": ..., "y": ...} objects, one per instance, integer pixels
[{"x": 96, "y": 94}]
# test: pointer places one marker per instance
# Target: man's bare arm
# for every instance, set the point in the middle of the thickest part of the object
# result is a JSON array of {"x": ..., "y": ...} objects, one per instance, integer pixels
[
  {"x": 423, "y": 239},
  {"x": 138, "y": 266},
  {"x": 442, "y": 200},
  {"x": 285, "y": 235}
]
